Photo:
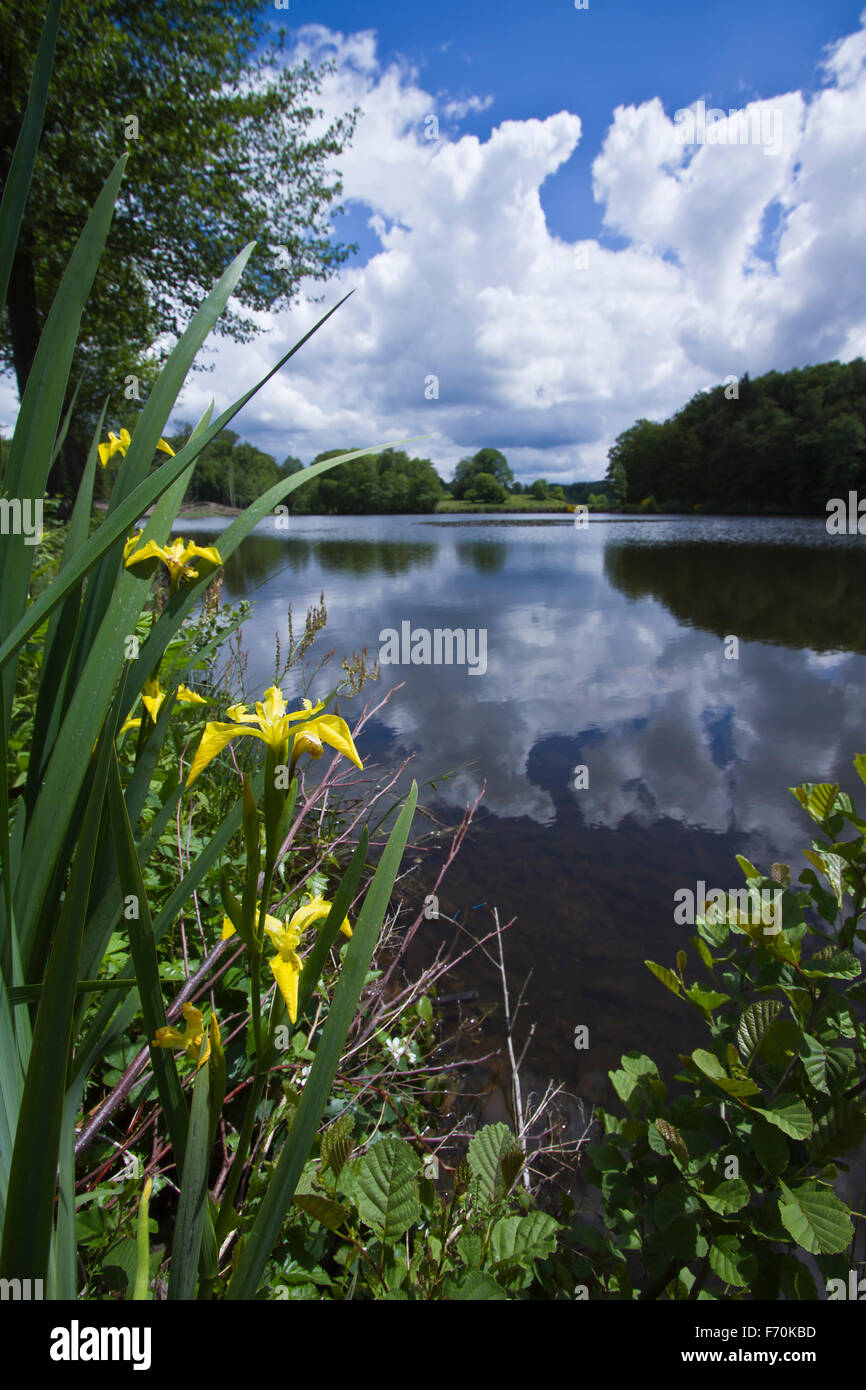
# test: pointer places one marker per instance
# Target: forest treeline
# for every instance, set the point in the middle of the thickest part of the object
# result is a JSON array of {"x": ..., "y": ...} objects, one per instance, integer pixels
[
  {"x": 782, "y": 443},
  {"x": 233, "y": 473}
]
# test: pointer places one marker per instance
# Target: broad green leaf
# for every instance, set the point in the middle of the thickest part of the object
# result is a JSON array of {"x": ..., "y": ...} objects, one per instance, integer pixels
[
  {"x": 712, "y": 1068},
  {"x": 487, "y": 1150},
  {"x": 837, "y": 965},
  {"x": 731, "y": 1262},
  {"x": 822, "y": 800},
  {"x": 474, "y": 1284},
  {"x": 673, "y": 1139},
  {"x": 638, "y": 1064},
  {"x": 789, "y": 1114},
  {"x": 727, "y": 1196},
  {"x": 842, "y": 1129},
  {"x": 816, "y": 1218},
  {"x": 331, "y": 1214},
  {"x": 337, "y": 1144},
  {"x": 386, "y": 1188},
  {"x": 770, "y": 1147},
  {"x": 754, "y": 1023},
  {"x": 524, "y": 1238},
  {"x": 706, "y": 999},
  {"x": 814, "y": 1059}
]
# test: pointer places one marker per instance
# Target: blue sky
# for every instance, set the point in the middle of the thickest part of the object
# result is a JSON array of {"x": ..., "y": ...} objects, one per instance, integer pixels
[
  {"x": 583, "y": 242},
  {"x": 536, "y": 59},
  {"x": 567, "y": 254}
]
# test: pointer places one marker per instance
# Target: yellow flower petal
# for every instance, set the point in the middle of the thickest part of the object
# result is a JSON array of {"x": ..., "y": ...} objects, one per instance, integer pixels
[
  {"x": 116, "y": 445},
  {"x": 315, "y": 911},
  {"x": 287, "y": 973},
  {"x": 166, "y": 448},
  {"x": 190, "y": 1039},
  {"x": 307, "y": 742},
  {"x": 186, "y": 696},
  {"x": 152, "y": 698},
  {"x": 213, "y": 741},
  {"x": 333, "y": 730}
]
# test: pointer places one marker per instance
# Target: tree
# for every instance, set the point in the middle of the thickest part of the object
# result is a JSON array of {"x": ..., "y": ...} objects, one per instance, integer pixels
[
  {"x": 221, "y": 153},
  {"x": 485, "y": 461},
  {"x": 540, "y": 490},
  {"x": 485, "y": 488}
]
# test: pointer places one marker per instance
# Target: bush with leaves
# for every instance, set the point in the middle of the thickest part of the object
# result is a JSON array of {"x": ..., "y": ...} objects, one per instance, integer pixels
[{"x": 724, "y": 1189}]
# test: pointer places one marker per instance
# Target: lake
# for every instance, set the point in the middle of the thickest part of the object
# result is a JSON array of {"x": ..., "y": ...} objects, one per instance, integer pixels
[{"x": 628, "y": 748}]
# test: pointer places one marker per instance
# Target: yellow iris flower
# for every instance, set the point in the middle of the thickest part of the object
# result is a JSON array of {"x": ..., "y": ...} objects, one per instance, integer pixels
[
  {"x": 285, "y": 937},
  {"x": 190, "y": 1039},
  {"x": 273, "y": 726},
  {"x": 176, "y": 557},
  {"x": 152, "y": 698},
  {"x": 119, "y": 443}
]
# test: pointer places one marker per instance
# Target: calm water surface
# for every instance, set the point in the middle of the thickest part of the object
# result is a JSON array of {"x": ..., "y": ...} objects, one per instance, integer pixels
[{"x": 605, "y": 649}]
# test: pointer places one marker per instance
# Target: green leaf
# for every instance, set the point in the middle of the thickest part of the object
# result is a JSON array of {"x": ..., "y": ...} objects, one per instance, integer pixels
[
  {"x": 838, "y": 965},
  {"x": 296, "y": 1149},
  {"x": 42, "y": 403},
  {"x": 674, "y": 1200},
  {"x": 754, "y": 1023},
  {"x": 666, "y": 976},
  {"x": 711, "y": 1067},
  {"x": 475, "y": 1285},
  {"x": 327, "y": 934},
  {"x": 727, "y": 1196},
  {"x": 24, "y": 158},
  {"x": 706, "y": 999},
  {"x": 770, "y": 1147},
  {"x": 524, "y": 1238},
  {"x": 789, "y": 1114},
  {"x": 822, "y": 800},
  {"x": 386, "y": 1188},
  {"x": 816, "y": 1218},
  {"x": 814, "y": 1059},
  {"x": 337, "y": 1144},
  {"x": 703, "y": 951},
  {"x": 843, "y": 1128},
  {"x": 672, "y": 1139},
  {"x": 731, "y": 1262},
  {"x": 749, "y": 870},
  {"x": 331, "y": 1214},
  {"x": 143, "y": 948},
  {"x": 487, "y": 1150},
  {"x": 192, "y": 1204},
  {"x": 29, "y": 1213}
]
